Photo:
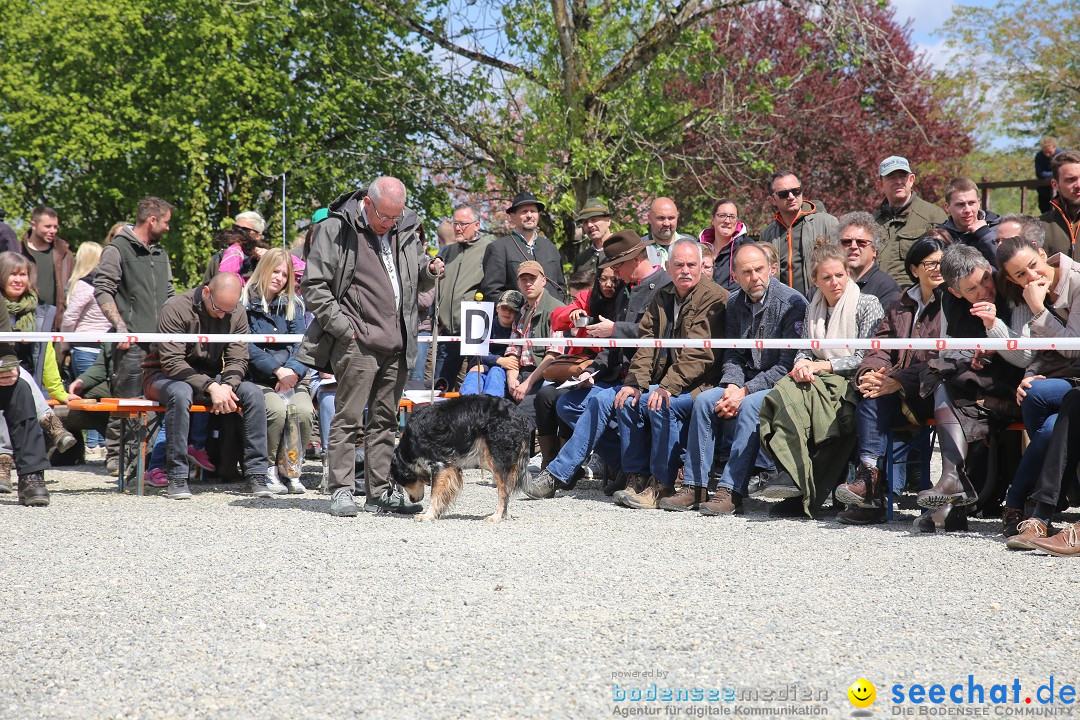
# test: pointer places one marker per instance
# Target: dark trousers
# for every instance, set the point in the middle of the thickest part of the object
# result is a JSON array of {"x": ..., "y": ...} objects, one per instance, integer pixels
[
  {"x": 27, "y": 438},
  {"x": 178, "y": 396},
  {"x": 448, "y": 363},
  {"x": 126, "y": 382},
  {"x": 1062, "y": 454}
]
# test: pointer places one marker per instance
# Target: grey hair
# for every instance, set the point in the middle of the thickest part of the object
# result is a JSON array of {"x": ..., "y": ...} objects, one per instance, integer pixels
[
  {"x": 687, "y": 243},
  {"x": 960, "y": 261},
  {"x": 471, "y": 208},
  {"x": 254, "y": 218},
  {"x": 864, "y": 220},
  {"x": 383, "y": 186},
  {"x": 1033, "y": 231}
]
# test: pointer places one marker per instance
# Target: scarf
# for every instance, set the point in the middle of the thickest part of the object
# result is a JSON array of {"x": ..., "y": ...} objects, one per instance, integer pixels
[
  {"x": 22, "y": 312},
  {"x": 843, "y": 323}
]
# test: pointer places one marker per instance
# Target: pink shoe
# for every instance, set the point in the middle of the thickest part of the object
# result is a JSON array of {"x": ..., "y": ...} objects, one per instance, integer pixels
[
  {"x": 156, "y": 478},
  {"x": 200, "y": 458}
]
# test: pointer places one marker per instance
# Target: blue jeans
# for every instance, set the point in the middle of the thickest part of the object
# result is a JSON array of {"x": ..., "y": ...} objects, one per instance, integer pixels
[
  {"x": 874, "y": 418},
  {"x": 492, "y": 382},
  {"x": 1040, "y": 412},
  {"x": 81, "y": 360},
  {"x": 589, "y": 412},
  {"x": 705, "y": 428},
  {"x": 745, "y": 442},
  {"x": 423, "y": 347},
  {"x": 325, "y": 399},
  {"x": 655, "y": 449}
]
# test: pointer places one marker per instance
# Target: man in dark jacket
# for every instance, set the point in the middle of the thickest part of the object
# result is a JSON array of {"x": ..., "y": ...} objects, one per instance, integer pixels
[
  {"x": 53, "y": 258},
  {"x": 1044, "y": 171},
  {"x": 179, "y": 374},
  {"x": 861, "y": 238},
  {"x": 9, "y": 241},
  {"x": 502, "y": 257},
  {"x": 653, "y": 405},
  {"x": 361, "y": 281},
  {"x": 589, "y": 408},
  {"x": 903, "y": 215},
  {"x": 763, "y": 308},
  {"x": 595, "y": 222},
  {"x": 797, "y": 225},
  {"x": 968, "y": 223},
  {"x": 1062, "y": 221}
]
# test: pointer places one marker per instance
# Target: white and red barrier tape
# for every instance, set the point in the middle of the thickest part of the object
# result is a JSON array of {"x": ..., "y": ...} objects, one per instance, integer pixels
[{"x": 1064, "y": 344}]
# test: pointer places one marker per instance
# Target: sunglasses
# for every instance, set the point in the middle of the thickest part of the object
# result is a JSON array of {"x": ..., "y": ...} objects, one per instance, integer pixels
[
  {"x": 854, "y": 241},
  {"x": 793, "y": 192}
]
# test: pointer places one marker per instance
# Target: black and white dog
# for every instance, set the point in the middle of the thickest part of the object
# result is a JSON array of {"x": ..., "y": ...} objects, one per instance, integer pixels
[{"x": 472, "y": 431}]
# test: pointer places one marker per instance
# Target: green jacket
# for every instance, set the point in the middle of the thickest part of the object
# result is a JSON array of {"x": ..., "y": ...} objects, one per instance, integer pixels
[
  {"x": 1061, "y": 231},
  {"x": 795, "y": 244},
  {"x": 901, "y": 230},
  {"x": 137, "y": 277},
  {"x": 461, "y": 279}
]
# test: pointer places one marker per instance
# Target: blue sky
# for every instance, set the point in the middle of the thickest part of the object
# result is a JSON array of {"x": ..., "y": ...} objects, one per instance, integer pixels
[{"x": 927, "y": 16}]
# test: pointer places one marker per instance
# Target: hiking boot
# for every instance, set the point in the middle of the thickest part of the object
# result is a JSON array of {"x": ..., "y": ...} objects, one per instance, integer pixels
[
  {"x": 635, "y": 483},
  {"x": 541, "y": 486},
  {"x": 864, "y": 491},
  {"x": 791, "y": 507},
  {"x": 178, "y": 489},
  {"x": 722, "y": 502},
  {"x": 615, "y": 482},
  {"x": 1065, "y": 544},
  {"x": 781, "y": 487},
  {"x": 32, "y": 491},
  {"x": 156, "y": 478},
  {"x": 56, "y": 435},
  {"x": 650, "y": 497},
  {"x": 342, "y": 504},
  {"x": 260, "y": 486},
  {"x": 393, "y": 500},
  {"x": 1030, "y": 531},
  {"x": 1010, "y": 521},
  {"x": 860, "y": 515},
  {"x": 688, "y": 497},
  {"x": 274, "y": 484},
  {"x": 952, "y": 492},
  {"x": 7, "y": 466}
]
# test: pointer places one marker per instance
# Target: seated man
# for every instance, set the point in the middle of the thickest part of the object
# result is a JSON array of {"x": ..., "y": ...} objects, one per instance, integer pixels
[
  {"x": 662, "y": 382},
  {"x": 179, "y": 374},
  {"x": 862, "y": 238},
  {"x": 762, "y": 308},
  {"x": 533, "y": 321}
]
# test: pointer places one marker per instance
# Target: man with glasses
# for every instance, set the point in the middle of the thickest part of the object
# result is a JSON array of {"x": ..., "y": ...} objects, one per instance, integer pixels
[
  {"x": 595, "y": 222},
  {"x": 363, "y": 274},
  {"x": 904, "y": 217},
  {"x": 179, "y": 374},
  {"x": 464, "y": 261},
  {"x": 502, "y": 257},
  {"x": 795, "y": 228},
  {"x": 861, "y": 238}
]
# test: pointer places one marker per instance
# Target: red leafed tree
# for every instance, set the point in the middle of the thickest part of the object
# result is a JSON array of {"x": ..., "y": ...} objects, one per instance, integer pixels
[{"x": 787, "y": 96}]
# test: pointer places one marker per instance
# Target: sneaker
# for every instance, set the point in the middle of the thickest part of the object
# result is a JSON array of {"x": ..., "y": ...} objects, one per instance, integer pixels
[
  {"x": 32, "y": 491},
  {"x": 294, "y": 486},
  {"x": 7, "y": 466},
  {"x": 635, "y": 483},
  {"x": 201, "y": 458},
  {"x": 94, "y": 454},
  {"x": 541, "y": 486},
  {"x": 535, "y": 463},
  {"x": 689, "y": 497},
  {"x": 156, "y": 478},
  {"x": 342, "y": 504},
  {"x": 260, "y": 486},
  {"x": 1010, "y": 521},
  {"x": 861, "y": 492},
  {"x": 758, "y": 482},
  {"x": 1030, "y": 531},
  {"x": 1065, "y": 544},
  {"x": 781, "y": 487},
  {"x": 594, "y": 469},
  {"x": 393, "y": 500},
  {"x": 791, "y": 507},
  {"x": 178, "y": 489},
  {"x": 650, "y": 497},
  {"x": 274, "y": 484},
  {"x": 722, "y": 502}
]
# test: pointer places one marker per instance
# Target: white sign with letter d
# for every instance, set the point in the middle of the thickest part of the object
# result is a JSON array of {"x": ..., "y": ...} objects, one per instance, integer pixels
[{"x": 476, "y": 320}]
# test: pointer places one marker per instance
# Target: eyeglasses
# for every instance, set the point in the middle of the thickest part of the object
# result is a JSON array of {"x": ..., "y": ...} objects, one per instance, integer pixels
[
  {"x": 725, "y": 216},
  {"x": 794, "y": 192},
  {"x": 854, "y": 241},
  {"x": 930, "y": 265},
  {"x": 384, "y": 216},
  {"x": 213, "y": 305},
  {"x": 455, "y": 223}
]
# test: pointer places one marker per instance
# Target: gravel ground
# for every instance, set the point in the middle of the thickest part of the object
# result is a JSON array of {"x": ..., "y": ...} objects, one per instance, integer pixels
[{"x": 226, "y": 606}]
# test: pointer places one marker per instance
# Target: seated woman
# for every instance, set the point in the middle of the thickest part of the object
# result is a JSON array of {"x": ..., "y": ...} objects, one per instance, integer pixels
[
  {"x": 487, "y": 375},
  {"x": 808, "y": 419},
  {"x": 1050, "y": 288},
  {"x": 890, "y": 381},
  {"x": 274, "y": 308}
]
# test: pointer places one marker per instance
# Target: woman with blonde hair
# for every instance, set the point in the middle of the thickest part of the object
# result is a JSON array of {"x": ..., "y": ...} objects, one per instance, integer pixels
[{"x": 274, "y": 308}]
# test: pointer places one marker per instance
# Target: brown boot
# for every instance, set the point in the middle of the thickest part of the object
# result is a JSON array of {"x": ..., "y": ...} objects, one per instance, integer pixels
[
  {"x": 957, "y": 491},
  {"x": 7, "y": 465},
  {"x": 865, "y": 491},
  {"x": 688, "y": 497},
  {"x": 56, "y": 434},
  {"x": 635, "y": 483},
  {"x": 650, "y": 497},
  {"x": 723, "y": 502}
]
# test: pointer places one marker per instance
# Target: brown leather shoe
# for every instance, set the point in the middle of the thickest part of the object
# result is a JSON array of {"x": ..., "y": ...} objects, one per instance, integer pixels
[
  {"x": 956, "y": 492},
  {"x": 723, "y": 502},
  {"x": 1065, "y": 544},
  {"x": 864, "y": 491},
  {"x": 688, "y": 497},
  {"x": 1030, "y": 531},
  {"x": 650, "y": 497},
  {"x": 1010, "y": 521},
  {"x": 635, "y": 483}
]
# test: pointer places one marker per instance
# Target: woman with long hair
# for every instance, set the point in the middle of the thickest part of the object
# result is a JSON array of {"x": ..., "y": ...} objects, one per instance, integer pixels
[
  {"x": 83, "y": 314},
  {"x": 275, "y": 308}
]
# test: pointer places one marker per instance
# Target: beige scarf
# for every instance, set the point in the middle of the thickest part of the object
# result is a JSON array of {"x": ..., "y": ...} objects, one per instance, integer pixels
[{"x": 842, "y": 325}]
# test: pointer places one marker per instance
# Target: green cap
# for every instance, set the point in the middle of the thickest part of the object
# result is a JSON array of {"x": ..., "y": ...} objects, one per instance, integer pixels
[{"x": 594, "y": 207}]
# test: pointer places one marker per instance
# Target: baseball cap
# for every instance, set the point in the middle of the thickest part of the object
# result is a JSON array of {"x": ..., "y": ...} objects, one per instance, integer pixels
[{"x": 891, "y": 164}]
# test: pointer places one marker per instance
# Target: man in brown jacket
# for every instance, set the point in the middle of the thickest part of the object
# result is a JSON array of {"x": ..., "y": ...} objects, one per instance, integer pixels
[
  {"x": 53, "y": 258},
  {"x": 658, "y": 396},
  {"x": 178, "y": 374}
]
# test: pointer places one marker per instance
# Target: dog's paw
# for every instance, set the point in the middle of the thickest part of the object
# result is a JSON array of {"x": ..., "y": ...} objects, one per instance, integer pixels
[
  {"x": 493, "y": 518},
  {"x": 424, "y": 517}
]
